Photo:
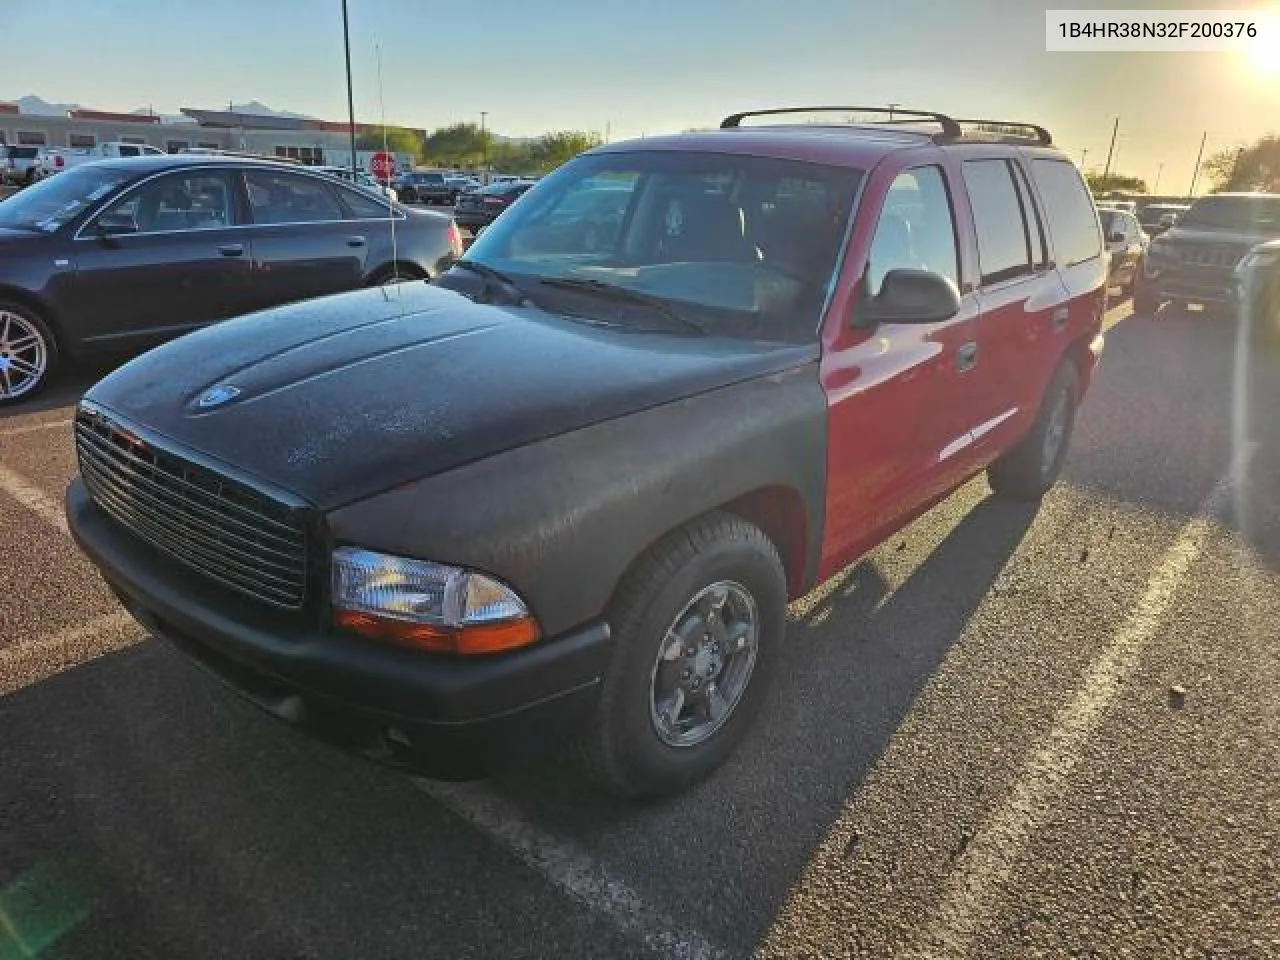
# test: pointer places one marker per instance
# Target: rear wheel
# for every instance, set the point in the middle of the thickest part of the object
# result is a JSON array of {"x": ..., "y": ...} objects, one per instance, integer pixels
[
  {"x": 1030, "y": 469},
  {"x": 398, "y": 273},
  {"x": 28, "y": 353},
  {"x": 697, "y": 626}
]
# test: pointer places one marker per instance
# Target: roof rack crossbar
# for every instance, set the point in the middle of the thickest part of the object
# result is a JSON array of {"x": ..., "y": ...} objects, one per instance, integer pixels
[
  {"x": 1040, "y": 134},
  {"x": 950, "y": 128}
]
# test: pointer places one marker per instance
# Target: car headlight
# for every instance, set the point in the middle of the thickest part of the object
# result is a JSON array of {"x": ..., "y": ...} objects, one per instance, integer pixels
[
  {"x": 1256, "y": 259},
  {"x": 431, "y": 606}
]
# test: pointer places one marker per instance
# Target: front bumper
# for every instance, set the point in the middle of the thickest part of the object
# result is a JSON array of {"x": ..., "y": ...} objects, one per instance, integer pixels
[
  {"x": 447, "y": 717},
  {"x": 1204, "y": 285}
]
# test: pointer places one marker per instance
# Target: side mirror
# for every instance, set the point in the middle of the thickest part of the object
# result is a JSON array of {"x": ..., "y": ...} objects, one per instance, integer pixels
[{"x": 909, "y": 296}]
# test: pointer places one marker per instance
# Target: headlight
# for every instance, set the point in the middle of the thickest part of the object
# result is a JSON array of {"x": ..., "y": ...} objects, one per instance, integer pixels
[
  {"x": 427, "y": 605},
  {"x": 1256, "y": 259}
]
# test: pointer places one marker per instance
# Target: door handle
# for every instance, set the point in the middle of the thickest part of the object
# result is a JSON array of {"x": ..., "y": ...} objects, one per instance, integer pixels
[
  {"x": 967, "y": 356},
  {"x": 356, "y": 241},
  {"x": 232, "y": 249},
  {"x": 1060, "y": 317}
]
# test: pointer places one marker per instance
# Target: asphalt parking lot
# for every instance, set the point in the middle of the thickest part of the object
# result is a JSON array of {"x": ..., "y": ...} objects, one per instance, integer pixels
[{"x": 1009, "y": 732}]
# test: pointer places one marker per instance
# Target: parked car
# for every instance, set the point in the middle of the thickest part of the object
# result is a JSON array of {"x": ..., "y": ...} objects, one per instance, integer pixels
[
  {"x": 1156, "y": 218},
  {"x": 120, "y": 254},
  {"x": 362, "y": 180},
  {"x": 19, "y": 164},
  {"x": 479, "y": 208},
  {"x": 1195, "y": 259},
  {"x": 564, "y": 493},
  {"x": 1126, "y": 243},
  {"x": 424, "y": 187},
  {"x": 56, "y": 160}
]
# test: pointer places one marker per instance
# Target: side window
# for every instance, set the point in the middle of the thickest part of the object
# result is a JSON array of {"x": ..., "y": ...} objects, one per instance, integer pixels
[
  {"x": 200, "y": 200},
  {"x": 916, "y": 228},
  {"x": 1073, "y": 223},
  {"x": 1004, "y": 246},
  {"x": 290, "y": 198},
  {"x": 364, "y": 206}
]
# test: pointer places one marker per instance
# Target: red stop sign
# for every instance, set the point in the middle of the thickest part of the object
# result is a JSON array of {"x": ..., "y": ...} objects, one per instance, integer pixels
[{"x": 383, "y": 165}]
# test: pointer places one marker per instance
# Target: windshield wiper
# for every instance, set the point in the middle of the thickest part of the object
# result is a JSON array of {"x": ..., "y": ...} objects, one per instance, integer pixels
[
  {"x": 491, "y": 276},
  {"x": 600, "y": 287}
]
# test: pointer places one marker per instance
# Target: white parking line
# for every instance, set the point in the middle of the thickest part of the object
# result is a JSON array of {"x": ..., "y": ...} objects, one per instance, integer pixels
[
  {"x": 973, "y": 890},
  {"x": 34, "y": 499},
  {"x": 35, "y": 428},
  {"x": 570, "y": 869},
  {"x": 28, "y": 662}
]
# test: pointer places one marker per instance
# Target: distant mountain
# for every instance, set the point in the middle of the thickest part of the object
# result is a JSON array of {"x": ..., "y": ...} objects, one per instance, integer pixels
[{"x": 34, "y": 105}]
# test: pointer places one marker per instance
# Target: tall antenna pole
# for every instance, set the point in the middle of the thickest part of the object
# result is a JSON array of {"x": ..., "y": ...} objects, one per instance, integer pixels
[
  {"x": 1159, "y": 174},
  {"x": 351, "y": 103},
  {"x": 1110, "y": 151},
  {"x": 1195, "y": 173}
]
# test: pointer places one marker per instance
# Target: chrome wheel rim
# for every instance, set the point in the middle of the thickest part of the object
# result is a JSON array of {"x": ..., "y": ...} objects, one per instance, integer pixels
[
  {"x": 704, "y": 664},
  {"x": 24, "y": 355},
  {"x": 1055, "y": 432}
]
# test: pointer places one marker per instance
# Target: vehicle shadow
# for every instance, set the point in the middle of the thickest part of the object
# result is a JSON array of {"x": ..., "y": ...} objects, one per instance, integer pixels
[{"x": 68, "y": 386}]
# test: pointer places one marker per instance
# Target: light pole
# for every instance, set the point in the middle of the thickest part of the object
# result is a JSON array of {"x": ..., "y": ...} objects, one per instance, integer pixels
[
  {"x": 1195, "y": 173},
  {"x": 351, "y": 103},
  {"x": 1083, "y": 154},
  {"x": 484, "y": 146},
  {"x": 892, "y": 107},
  {"x": 1106, "y": 172}
]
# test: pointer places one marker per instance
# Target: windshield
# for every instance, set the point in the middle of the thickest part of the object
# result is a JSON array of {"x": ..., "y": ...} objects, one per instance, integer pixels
[
  {"x": 58, "y": 200},
  {"x": 743, "y": 246},
  {"x": 1242, "y": 213}
]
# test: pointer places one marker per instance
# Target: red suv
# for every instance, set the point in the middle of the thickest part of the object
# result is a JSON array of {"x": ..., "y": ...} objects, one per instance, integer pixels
[{"x": 564, "y": 492}]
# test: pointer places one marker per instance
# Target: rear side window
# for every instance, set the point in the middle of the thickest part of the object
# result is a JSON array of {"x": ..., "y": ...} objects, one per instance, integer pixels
[
  {"x": 288, "y": 198},
  {"x": 364, "y": 206},
  {"x": 1073, "y": 221},
  {"x": 1004, "y": 244}
]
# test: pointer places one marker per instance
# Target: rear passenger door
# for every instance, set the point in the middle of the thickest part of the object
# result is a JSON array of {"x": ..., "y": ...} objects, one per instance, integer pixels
[
  {"x": 303, "y": 244},
  {"x": 1023, "y": 302}
]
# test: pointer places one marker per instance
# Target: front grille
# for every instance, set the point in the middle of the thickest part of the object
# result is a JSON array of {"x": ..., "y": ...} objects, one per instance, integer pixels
[
  {"x": 1197, "y": 256},
  {"x": 219, "y": 528}
]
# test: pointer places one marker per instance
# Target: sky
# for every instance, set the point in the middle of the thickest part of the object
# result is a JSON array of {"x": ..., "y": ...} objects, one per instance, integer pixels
[{"x": 625, "y": 68}]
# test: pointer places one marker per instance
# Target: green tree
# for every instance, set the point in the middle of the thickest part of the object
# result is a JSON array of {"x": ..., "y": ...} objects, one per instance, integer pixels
[
  {"x": 1099, "y": 185},
  {"x": 553, "y": 149},
  {"x": 393, "y": 139},
  {"x": 1256, "y": 167},
  {"x": 462, "y": 144}
]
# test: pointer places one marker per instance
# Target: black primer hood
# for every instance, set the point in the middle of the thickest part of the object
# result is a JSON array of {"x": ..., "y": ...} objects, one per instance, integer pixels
[{"x": 342, "y": 397}]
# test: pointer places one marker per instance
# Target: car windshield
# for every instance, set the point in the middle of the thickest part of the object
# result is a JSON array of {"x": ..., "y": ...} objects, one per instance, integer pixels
[
  {"x": 58, "y": 200},
  {"x": 1243, "y": 213},
  {"x": 739, "y": 245}
]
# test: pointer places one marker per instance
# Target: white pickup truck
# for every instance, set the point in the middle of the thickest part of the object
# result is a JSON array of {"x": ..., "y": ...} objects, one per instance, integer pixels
[{"x": 55, "y": 159}]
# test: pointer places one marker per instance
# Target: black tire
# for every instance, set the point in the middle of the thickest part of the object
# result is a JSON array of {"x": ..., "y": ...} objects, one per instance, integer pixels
[
  {"x": 396, "y": 273},
  {"x": 1030, "y": 469},
  {"x": 46, "y": 348},
  {"x": 623, "y": 748}
]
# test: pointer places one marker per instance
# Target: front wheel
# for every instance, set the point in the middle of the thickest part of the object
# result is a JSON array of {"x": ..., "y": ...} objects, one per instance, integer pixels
[
  {"x": 697, "y": 626},
  {"x": 28, "y": 353},
  {"x": 1030, "y": 469}
]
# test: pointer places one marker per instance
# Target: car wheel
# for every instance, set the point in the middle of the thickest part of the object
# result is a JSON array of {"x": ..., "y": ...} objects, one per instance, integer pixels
[
  {"x": 400, "y": 273},
  {"x": 697, "y": 626},
  {"x": 28, "y": 353},
  {"x": 1030, "y": 469}
]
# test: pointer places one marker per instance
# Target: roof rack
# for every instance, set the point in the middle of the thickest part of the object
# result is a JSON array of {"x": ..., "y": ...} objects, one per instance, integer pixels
[
  {"x": 952, "y": 132},
  {"x": 1038, "y": 133},
  {"x": 950, "y": 128}
]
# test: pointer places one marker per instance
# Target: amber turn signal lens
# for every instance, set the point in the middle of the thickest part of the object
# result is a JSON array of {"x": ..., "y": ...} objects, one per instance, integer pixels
[{"x": 467, "y": 641}]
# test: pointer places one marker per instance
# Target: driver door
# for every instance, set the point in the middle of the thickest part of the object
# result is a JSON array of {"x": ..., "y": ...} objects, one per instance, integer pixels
[
  {"x": 901, "y": 397},
  {"x": 164, "y": 258}
]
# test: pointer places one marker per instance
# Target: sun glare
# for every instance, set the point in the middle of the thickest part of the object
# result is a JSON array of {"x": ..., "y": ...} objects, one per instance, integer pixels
[{"x": 1264, "y": 55}]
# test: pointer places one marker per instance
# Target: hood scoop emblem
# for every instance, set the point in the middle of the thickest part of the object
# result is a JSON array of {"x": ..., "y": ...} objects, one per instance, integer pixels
[{"x": 217, "y": 396}]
